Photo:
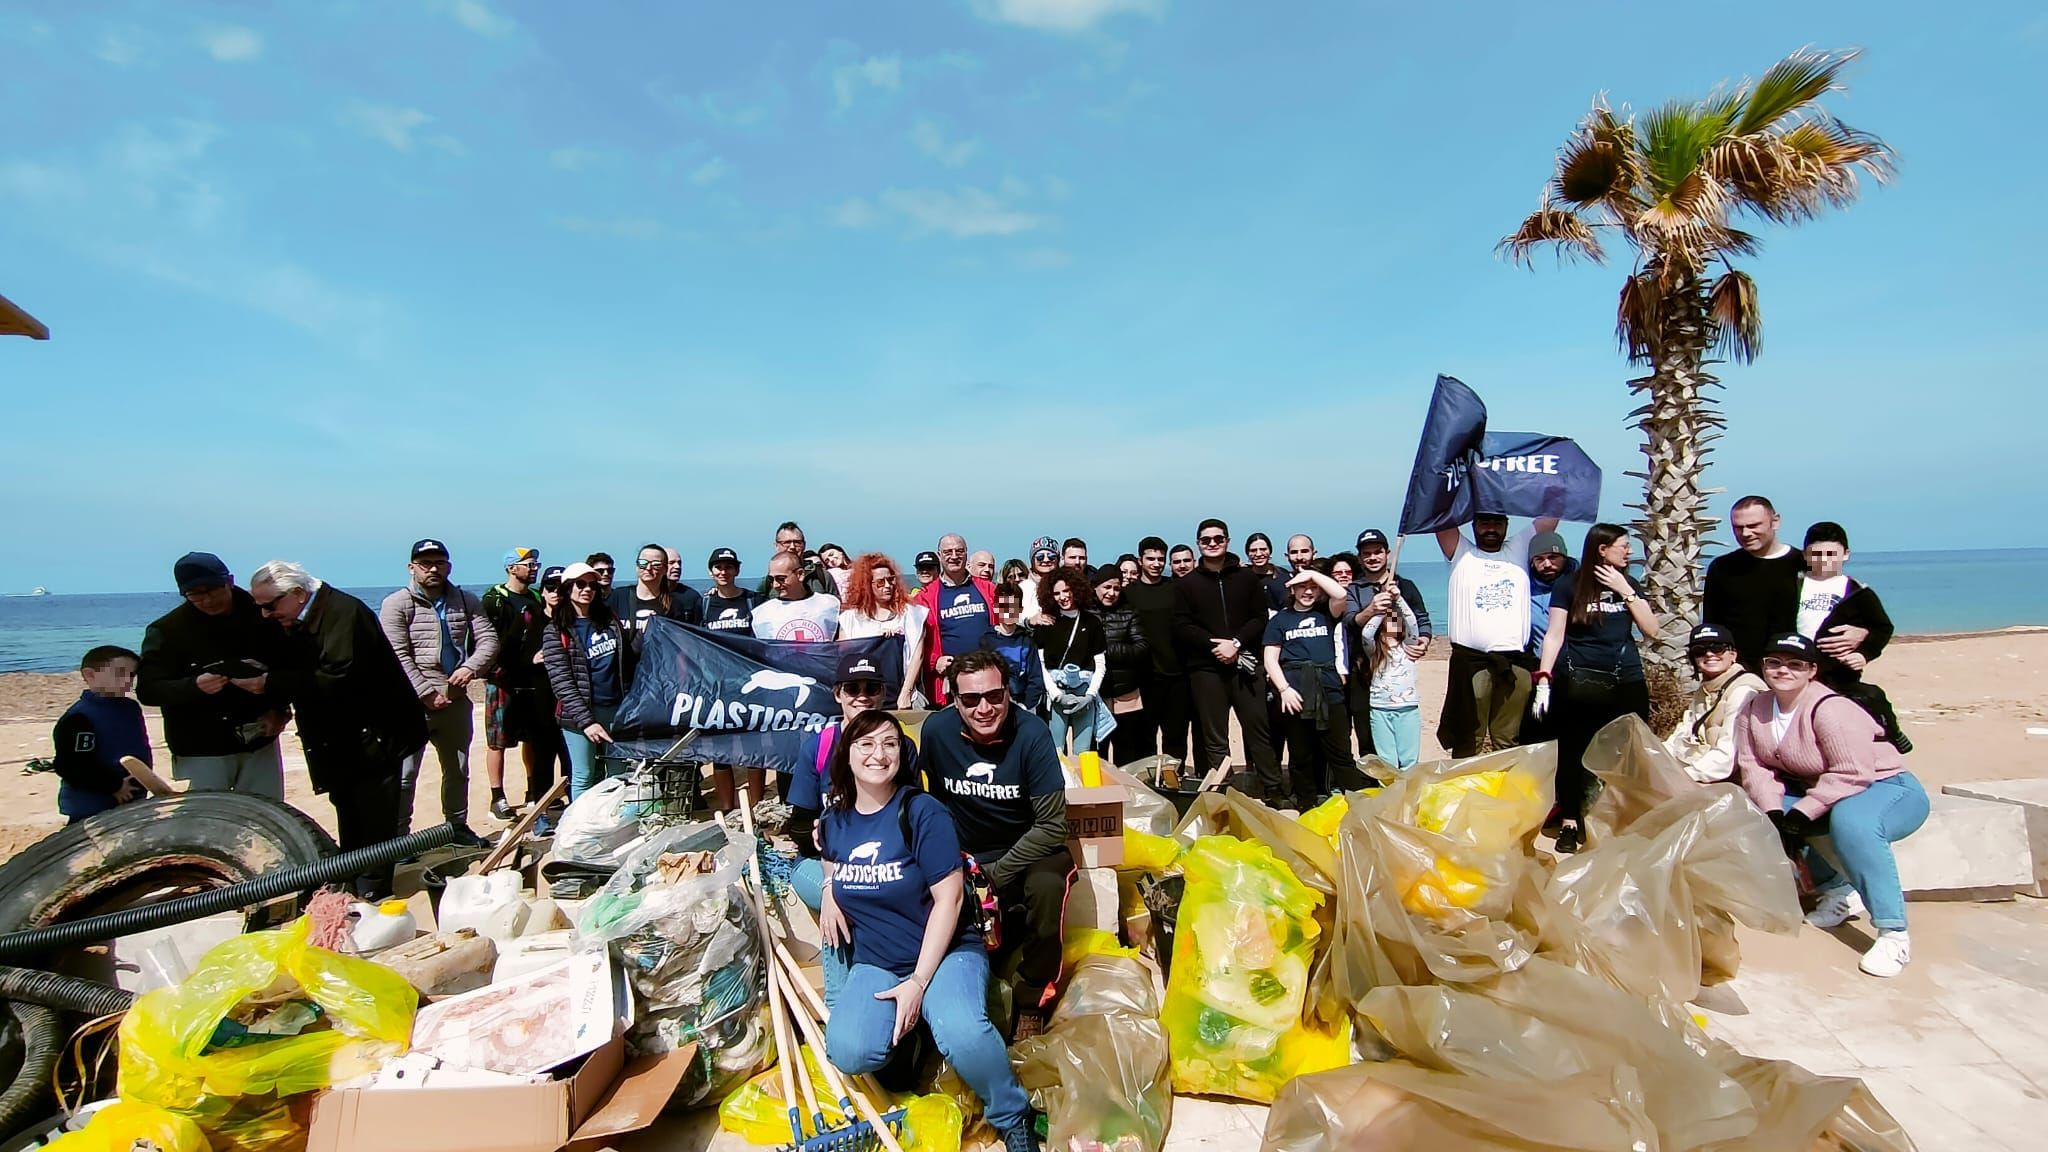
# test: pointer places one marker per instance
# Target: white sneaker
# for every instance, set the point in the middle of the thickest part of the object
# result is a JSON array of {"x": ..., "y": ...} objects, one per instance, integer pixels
[
  {"x": 1889, "y": 956},
  {"x": 1837, "y": 906}
]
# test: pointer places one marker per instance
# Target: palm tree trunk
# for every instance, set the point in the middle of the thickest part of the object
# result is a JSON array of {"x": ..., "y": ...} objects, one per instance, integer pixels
[{"x": 1678, "y": 423}]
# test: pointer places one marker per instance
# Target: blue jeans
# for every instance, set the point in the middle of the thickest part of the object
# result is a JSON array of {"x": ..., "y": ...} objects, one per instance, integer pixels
[
  {"x": 857, "y": 1038},
  {"x": 808, "y": 879},
  {"x": 1093, "y": 722},
  {"x": 1397, "y": 735},
  {"x": 1864, "y": 827},
  {"x": 586, "y": 766}
]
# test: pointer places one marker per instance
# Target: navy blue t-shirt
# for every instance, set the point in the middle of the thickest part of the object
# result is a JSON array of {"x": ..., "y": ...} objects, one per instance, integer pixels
[
  {"x": 601, "y": 648},
  {"x": 989, "y": 787},
  {"x": 1607, "y": 641},
  {"x": 1309, "y": 635},
  {"x": 883, "y": 885},
  {"x": 963, "y": 618},
  {"x": 734, "y": 615}
]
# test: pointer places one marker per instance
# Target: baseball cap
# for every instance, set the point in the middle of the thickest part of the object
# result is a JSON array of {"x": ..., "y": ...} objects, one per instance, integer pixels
[
  {"x": 1545, "y": 543},
  {"x": 723, "y": 556},
  {"x": 521, "y": 556},
  {"x": 428, "y": 547},
  {"x": 1794, "y": 645},
  {"x": 577, "y": 571},
  {"x": 196, "y": 570},
  {"x": 551, "y": 575},
  {"x": 1371, "y": 537},
  {"x": 1489, "y": 514},
  {"x": 855, "y": 666},
  {"x": 1708, "y": 636},
  {"x": 926, "y": 560}
]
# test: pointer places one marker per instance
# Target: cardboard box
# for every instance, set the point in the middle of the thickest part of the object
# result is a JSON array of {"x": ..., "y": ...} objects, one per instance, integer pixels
[
  {"x": 1095, "y": 825},
  {"x": 1092, "y": 901},
  {"x": 602, "y": 1098}
]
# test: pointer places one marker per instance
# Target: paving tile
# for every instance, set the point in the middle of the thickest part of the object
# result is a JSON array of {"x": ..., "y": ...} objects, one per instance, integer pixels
[{"x": 1930, "y": 1117}]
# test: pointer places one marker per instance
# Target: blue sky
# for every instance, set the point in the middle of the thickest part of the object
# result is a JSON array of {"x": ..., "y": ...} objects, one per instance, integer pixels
[{"x": 326, "y": 278}]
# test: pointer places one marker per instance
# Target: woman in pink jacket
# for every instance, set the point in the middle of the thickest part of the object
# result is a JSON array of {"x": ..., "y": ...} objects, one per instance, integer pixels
[{"x": 1817, "y": 764}]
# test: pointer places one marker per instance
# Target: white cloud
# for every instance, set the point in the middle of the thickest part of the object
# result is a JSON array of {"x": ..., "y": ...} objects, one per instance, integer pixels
[
  {"x": 1063, "y": 15},
  {"x": 931, "y": 140},
  {"x": 964, "y": 212},
  {"x": 1045, "y": 258},
  {"x": 616, "y": 227},
  {"x": 232, "y": 43},
  {"x": 390, "y": 123},
  {"x": 884, "y": 73},
  {"x": 855, "y": 213},
  {"x": 477, "y": 16},
  {"x": 753, "y": 108},
  {"x": 120, "y": 46},
  {"x": 709, "y": 172},
  {"x": 574, "y": 159}
]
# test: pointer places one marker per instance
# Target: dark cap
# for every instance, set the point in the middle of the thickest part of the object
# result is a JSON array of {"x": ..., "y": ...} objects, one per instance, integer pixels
[
  {"x": 926, "y": 560},
  {"x": 1708, "y": 636},
  {"x": 1489, "y": 514},
  {"x": 1794, "y": 645},
  {"x": 551, "y": 575},
  {"x": 723, "y": 556},
  {"x": 1370, "y": 537},
  {"x": 1105, "y": 573},
  {"x": 1547, "y": 543},
  {"x": 428, "y": 547},
  {"x": 196, "y": 570},
  {"x": 855, "y": 666}
]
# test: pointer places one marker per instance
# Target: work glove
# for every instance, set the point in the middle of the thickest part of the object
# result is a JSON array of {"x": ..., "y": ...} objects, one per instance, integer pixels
[
  {"x": 1793, "y": 828},
  {"x": 1541, "y": 707}
]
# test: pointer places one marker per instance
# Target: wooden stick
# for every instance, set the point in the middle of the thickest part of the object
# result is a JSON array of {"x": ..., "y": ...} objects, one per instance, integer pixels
[
  {"x": 820, "y": 1013},
  {"x": 849, "y": 1096},
  {"x": 145, "y": 776},
  {"x": 514, "y": 835},
  {"x": 775, "y": 1010}
]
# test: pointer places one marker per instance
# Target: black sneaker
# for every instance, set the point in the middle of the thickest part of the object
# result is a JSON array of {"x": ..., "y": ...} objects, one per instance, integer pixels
[
  {"x": 1570, "y": 840},
  {"x": 466, "y": 837},
  {"x": 503, "y": 811},
  {"x": 1022, "y": 1138}
]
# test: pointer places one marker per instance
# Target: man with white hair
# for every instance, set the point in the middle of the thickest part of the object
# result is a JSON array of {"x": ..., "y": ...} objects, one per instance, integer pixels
[{"x": 356, "y": 712}]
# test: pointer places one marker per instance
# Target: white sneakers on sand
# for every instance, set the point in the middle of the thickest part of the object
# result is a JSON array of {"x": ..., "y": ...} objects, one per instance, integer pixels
[
  {"x": 1837, "y": 906},
  {"x": 1889, "y": 956}
]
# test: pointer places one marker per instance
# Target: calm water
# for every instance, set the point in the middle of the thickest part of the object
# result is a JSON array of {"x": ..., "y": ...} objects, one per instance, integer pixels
[{"x": 1924, "y": 591}]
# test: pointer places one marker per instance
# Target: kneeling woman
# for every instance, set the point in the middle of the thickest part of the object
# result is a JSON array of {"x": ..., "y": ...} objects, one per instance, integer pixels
[
  {"x": 893, "y": 889},
  {"x": 1806, "y": 756}
]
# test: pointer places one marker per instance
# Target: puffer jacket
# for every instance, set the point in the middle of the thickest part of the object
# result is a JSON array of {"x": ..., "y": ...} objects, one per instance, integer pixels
[
  {"x": 1129, "y": 657},
  {"x": 569, "y": 673},
  {"x": 415, "y": 634}
]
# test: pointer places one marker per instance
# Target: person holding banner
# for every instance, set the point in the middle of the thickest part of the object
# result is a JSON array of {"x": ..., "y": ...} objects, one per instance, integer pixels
[
  {"x": 877, "y": 604},
  {"x": 1489, "y": 627},
  {"x": 589, "y": 658},
  {"x": 1592, "y": 614}
]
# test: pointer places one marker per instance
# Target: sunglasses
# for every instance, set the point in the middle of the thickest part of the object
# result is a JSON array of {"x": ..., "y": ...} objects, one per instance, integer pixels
[
  {"x": 1213, "y": 539},
  {"x": 267, "y": 607},
  {"x": 863, "y": 687},
  {"x": 603, "y": 569},
  {"x": 994, "y": 697},
  {"x": 590, "y": 585},
  {"x": 651, "y": 565}
]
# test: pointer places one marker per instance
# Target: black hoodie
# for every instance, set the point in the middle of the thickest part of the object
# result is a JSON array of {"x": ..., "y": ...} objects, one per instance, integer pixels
[
  {"x": 180, "y": 645},
  {"x": 1207, "y": 606}
]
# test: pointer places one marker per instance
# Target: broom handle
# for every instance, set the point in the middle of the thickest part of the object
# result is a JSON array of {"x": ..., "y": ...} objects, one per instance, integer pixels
[
  {"x": 776, "y": 1021},
  {"x": 833, "y": 1080},
  {"x": 809, "y": 996}
]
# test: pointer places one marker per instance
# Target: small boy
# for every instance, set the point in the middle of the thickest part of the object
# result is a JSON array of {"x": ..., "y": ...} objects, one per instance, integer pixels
[
  {"x": 1011, "y": 639},
  {"x": 1830, "y": 600},
  {"x": 93, "y": 735}
]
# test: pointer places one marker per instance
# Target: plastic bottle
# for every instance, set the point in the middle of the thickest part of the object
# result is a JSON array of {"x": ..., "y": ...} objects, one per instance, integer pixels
[
  {"x": 381, "y": 926},
  {"x": 1091, "y": 770}
]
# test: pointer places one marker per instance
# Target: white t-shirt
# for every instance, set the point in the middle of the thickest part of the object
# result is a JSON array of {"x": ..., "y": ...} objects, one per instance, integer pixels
[
  {"x": 1817, "y": 598},
  {"x": 1781, "y": 721},
  {"x": 1490, "y": 595},
  {"x": 813, "y": 618}
]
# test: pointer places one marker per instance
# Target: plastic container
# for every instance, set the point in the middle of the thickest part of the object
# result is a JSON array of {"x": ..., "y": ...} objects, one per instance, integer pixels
[
  {"x": 1091, "y": 770},
  {"x": 484, "y": 904},
  {"x": 381, "y": 926}
]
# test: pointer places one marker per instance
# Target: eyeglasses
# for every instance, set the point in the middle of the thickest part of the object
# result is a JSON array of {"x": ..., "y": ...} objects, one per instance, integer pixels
[
  {"x": 431, "y": 564},
  {"x": 994, "y": 697},
  {"x": 551, "y": 586},
  {"x": 863, "y": 687},
  {"x": 1212, "y": 539},
  {"x": 1786, "y": 664}
]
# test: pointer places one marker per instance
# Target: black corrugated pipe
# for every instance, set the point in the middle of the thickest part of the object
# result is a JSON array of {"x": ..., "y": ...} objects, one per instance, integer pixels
[
  {"x": 28, "y": 1098},
  {"x": 53, "y": 991},
  {"x": 348, "y": 865}
]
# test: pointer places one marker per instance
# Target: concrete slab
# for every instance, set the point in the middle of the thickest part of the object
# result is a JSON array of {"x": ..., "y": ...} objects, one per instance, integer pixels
[
  {"x": 1967, "y": 850},
  {"x": 2031, "y": 797}
]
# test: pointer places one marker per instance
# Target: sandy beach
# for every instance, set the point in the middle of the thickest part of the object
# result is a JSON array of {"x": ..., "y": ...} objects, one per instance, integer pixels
[{"x": 1967, "y": 701}]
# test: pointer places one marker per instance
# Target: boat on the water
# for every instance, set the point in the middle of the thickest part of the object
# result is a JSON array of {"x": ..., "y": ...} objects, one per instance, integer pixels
[{"x": 38, "y": 590}]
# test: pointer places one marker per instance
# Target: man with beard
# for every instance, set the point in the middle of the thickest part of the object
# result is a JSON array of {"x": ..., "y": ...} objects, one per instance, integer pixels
[
  {"x": 443, "y": 640},
  {"x": 201, "y": 663},
  {"x": 1220, "y": 628},
  {"x": 1374, "y": 576},
  {"x": 1491, "y": 670},
  {"x": 1164, "y": 687}
]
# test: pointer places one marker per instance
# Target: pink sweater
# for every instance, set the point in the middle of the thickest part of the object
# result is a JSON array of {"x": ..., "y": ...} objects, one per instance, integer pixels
[{"x": 1832, "y": 745}]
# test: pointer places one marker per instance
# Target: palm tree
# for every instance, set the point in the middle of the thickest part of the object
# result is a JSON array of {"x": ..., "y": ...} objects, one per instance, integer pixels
[{"x": 1671, "y": 184}]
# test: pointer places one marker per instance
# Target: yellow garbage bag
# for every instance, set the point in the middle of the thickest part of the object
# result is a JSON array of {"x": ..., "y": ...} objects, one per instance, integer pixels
[
  {"x": 1241, "y": 958},
  {"x": 1324, "y": 818},
  {"x": 125, "y": 1125},
  {"x": 171, "y": 1041},
  {"x": 756, "y": 1112},
  {"x": 1079, "y": 943},
  {"x": 1145, "y": 852}
]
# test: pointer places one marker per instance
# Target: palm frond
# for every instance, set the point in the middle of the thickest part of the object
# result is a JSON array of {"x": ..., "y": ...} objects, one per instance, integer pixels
[
  {"x": 1738, "y": 319},
  {"x": 1637, "y": 315},
  {"x": 1676, "y": 140},
  {"x": 1789, "y": 86},
  {"x": 1559, "y": 227},
  {"x": 1834, "y": 154}
]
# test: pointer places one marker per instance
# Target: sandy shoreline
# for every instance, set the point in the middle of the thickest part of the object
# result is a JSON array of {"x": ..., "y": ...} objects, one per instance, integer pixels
[{"x": 1967, "y": 701}]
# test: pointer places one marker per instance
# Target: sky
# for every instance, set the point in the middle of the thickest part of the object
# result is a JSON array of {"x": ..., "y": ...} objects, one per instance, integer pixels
[{"x": 323, "y": 279}]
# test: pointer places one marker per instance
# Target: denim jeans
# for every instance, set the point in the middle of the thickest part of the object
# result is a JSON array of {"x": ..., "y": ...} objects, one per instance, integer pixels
[
  {"x": 448, "y": 733},
  {"x": 1093, "y": 722},
  {"x": 1863, "y": 828},
  {"x": 808, "y": 880},
  {"x": 586, "y": 765},
  {"x": 857, "y": 1038},
  {"x": 1397, "y": 735}
]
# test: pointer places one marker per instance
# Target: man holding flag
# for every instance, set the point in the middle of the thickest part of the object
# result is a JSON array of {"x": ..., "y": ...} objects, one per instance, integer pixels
[{"x": 1489, "y": 628}]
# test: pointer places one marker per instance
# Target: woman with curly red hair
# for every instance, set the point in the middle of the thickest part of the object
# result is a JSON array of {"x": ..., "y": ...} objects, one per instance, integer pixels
[{"x": 878, "y": 604}]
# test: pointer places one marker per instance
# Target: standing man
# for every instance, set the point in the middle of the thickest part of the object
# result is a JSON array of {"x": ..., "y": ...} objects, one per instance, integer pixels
[
  {"x": 789, "y": 540},
  {"x": 983, "y": 565},
  {"x": 1164, "y": 686},
  {"x": 1373, "y": 578},
  {"x": 1491, "y": 668},
  {"x": 798, "y": 611},
  {"x": 1301, "y": 556},
  {"x": 358, "y": 715},
  {"x": 442, "y": 640},
  {"x": 1549, "y": 564},
  {"x": 1753, "y": 592},
  {"x": 1220, "y": 627},
  {"x": 961, "y": 607},
  {"x": 201, "y": 665},
  {"x": 728, "y": 607},
  {"x": 605, "y": 567},
  {"x": 513, "y": 700},
  {"x": 1074, "y": 554},
  {"x": 1181, "y": 560},
  {"x": 995, "y": 769}
]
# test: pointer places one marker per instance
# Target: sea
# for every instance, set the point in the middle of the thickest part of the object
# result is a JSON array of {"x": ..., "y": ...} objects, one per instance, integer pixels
[{"x": 1925, "y": 592}]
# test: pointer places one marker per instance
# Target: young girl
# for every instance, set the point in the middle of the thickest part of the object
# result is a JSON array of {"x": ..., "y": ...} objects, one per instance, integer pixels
[{"x": 1394, "y": 697}]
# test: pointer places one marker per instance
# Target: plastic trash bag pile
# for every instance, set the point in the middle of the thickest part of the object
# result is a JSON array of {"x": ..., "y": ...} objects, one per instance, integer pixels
[{"x": 1099, "y": 1072}]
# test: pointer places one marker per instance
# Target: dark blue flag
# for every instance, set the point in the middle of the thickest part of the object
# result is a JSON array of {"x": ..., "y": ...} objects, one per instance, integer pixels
[
  {"x": 751, "y": 701},
  {"x": 1530, "y": 474},
  {"x": 1438, "y": 496}
]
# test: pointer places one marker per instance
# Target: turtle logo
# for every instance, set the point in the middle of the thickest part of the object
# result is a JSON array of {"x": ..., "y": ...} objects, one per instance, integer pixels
[
  {"x": 870, "y": 852},
  {"x": 769, "y": 678}
]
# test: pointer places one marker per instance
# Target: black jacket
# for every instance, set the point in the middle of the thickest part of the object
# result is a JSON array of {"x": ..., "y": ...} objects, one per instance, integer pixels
[
  {"x": 1124, "y": 640},
  {"x": 568, "y": 668},
  {"x": 1215, "y": 605},
  {"x": 356, "y": 708},
  {"x": 1861, "y": 609},
  {"x": 178, "y": 646},
  {"x": 1154, "y": 605}
]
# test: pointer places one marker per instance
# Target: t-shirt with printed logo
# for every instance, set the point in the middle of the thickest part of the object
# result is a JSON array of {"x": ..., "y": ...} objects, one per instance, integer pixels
[
  {"x": 882, "y": 884},
  {"x": 601, "y": 649},
  {"x": 733, "y": 615},
  {"x": 1606, "y": 642},
  {"x": 1489, "y": 595},
  {"x": 963, "y": 617},
  {"x": 989, "y": 787},
  {"x": 1306, "y": 635},
  {"x": 1817, "y": 598},
  {"x": 811, "y": 619}
]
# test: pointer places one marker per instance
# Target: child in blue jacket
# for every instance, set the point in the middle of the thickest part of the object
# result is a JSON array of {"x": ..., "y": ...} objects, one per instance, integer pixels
[{"x": 93, "y": 734}]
